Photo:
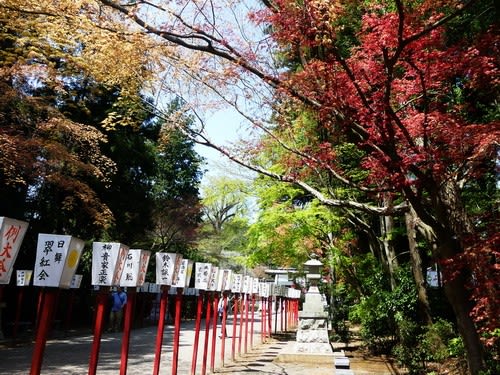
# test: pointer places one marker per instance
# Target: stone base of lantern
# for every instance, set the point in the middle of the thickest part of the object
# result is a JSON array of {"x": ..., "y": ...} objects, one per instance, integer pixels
[{"x": 312, "y": 344}]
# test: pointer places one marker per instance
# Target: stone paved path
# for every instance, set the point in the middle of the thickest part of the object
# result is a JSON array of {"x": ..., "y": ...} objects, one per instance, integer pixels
[{"x": 70, "y": 356}]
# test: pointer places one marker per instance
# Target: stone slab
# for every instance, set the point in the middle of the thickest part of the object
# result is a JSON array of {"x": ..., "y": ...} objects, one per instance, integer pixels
[
  {"x": 313, "y": 336},
  {"x": 343, "y": 372},
  {"x": 314, "y": 358},
  {"x": 342, "y": 362},
  {"x": 313, "y": 314}
]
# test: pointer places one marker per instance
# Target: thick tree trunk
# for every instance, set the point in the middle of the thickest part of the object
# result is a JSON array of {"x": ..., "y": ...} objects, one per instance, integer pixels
[
  {"x": 448, "y": 225},
  {"x": 416, "y": 265},
  {"x": 457, "y": 294}
]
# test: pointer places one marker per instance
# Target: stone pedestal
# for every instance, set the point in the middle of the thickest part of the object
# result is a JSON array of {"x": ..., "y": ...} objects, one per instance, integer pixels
[{"x": 312, "y": 333}]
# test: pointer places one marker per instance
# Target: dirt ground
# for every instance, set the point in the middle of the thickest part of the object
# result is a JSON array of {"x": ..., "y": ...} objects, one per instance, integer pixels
[{"x": 364, "y": 363}]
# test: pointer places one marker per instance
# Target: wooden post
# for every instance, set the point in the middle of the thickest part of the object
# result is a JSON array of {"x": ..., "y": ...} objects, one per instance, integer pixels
[
  {"x": 235, "y": 321},
  {"x": 208, "y": 316},
  {"x": 101, "y": 302},
  {"x": 241, "y": 306},
  {"x": 177, "y": 330},
  {"x": 18, "y": 312},
  {"x": 223, "y": 330},
  {"x": 276, "y": 301},
  {"x": 252, "y": 321},
  {"x": 263, "y": 323},
  {"x": 49, "y": 297},
  {"x": 199, "y": 308},
  {"x": 127, "y": 327},
  {"x": 161, "y": 329},
  {"x": 214, "y": 330},
  {"x": 247, "y": 305},
  {"x": 270, "y": 315},
  {"x": 69, "y": 310}
]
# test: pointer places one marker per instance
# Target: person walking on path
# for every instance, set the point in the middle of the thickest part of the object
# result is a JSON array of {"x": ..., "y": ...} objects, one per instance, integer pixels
[
  {"x": 222, "y": 313},
  {"x": 118, "y": 301}
]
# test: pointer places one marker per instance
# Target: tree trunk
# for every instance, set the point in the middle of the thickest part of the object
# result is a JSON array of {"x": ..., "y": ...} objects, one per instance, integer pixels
[
  {"x": 457, "y": 295},
  {"x": 386, "y": 231},
  {"x": 416, "y": 265}
]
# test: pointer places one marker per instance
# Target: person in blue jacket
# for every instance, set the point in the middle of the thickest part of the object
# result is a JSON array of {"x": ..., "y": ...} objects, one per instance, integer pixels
[{"x": 118, "y": 302}]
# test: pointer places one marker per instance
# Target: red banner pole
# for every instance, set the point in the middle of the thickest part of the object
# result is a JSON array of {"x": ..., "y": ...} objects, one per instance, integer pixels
[
  {"x": 41, "y": 296},
  {"x": 161, "y": 329},
  {"x": 242, "y": 305},
  {"x": 177, "y": 330},
  {"x": 252, "y": 321},
  {"x": 262, "y": 319},
  {"x": 69, "y": 311},
  {"x": 223, "y": 330},
  {"x": 282, "y": 299},
  {"x": 208, "y": 315},
  {"x": 270, "y": 315},
  {"x": 45, "y": 321},
  {"x": 286, "y": 314},
  {"x": 127, "y": 326},
  {"x": 276, "y": 301},
  {"x": 199, "y": 308},
  {"x": 18, "y": 312},
  {"x": 235, "y": 321},
  {"x": 247, "y": 305},
  {"x": 214, "y": 330},
  {"x": 295, "y": 313},
  {"x": 101, "y": 301}
]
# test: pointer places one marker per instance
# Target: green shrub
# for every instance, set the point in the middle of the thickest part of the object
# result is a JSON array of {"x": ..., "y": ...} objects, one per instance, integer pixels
[
  {"x": 419, "y": 346},
  {"x": 376, "y": 313},
  {"x": 435, "y": 341},
  {"x": 456, "y": 347},
  {"x": 408, "y": 351}
]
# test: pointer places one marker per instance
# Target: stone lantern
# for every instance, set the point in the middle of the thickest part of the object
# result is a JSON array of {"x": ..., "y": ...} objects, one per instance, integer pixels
[
  {"x": 313, "y": 274},
  {"x": 312, "y": 333}
]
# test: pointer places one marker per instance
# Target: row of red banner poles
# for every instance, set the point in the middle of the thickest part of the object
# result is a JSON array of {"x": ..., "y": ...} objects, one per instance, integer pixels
[
  {"x": 177, "y": 330},
  {"x": 102, "y": 298},
  {"x": 208, "y": 316},
  {"x": 48, "y": 302},
  {"x": 127, "y": 326},
  {"x": 223, "y": 329},
  {"x": 214, "y": 331},
  {"x": 199, "y": 307},
  {"x": 161, "y": 328}
]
